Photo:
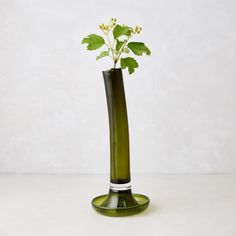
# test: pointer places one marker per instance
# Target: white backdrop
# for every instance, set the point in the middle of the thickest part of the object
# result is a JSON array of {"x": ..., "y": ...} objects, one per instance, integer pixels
[{"x": 181, "y": 101}]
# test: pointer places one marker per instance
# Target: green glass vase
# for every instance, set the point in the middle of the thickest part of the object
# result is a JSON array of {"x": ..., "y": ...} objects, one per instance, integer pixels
[{"x": 119, "y": 201}]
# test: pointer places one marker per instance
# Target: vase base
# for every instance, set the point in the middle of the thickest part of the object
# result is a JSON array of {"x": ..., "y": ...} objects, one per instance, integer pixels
[{"x": 102, "y": 204}]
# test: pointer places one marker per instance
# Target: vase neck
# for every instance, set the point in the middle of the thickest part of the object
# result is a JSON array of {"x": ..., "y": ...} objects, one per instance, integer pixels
[{"x": 118, "y": 125}]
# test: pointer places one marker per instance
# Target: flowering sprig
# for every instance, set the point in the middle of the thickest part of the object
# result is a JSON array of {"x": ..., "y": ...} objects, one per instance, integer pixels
[{"x": 121, "y": 44}]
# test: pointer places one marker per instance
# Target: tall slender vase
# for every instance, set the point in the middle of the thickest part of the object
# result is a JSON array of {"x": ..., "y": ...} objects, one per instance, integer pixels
[{"x": 119, "y": 201}]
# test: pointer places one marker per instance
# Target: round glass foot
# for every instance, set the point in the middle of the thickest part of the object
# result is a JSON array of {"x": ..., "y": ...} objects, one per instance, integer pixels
[{"x": 141, "y": 203}]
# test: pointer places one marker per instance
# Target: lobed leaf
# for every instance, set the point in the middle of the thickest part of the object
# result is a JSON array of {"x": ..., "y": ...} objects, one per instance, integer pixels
[
  {"x": 94, "y": 41},
  {"x": 130, "y": 63},
  {"x": 102, "y": 54},
  {"x": 120, "y": 30},
  {"x": 139, "y": 48}
]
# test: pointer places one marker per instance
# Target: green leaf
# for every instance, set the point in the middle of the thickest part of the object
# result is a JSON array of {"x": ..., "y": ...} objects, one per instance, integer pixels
[
  {"x": 102, "y": 54},
  {"x": 139, "y": 48},
  {"x": 94, "y": 41},
  {"x": 129, "y": 62},
  {"x": 120, "y": 30},
  {"x": 119, "y": 44},
  {"x": 125, "y": 50}
]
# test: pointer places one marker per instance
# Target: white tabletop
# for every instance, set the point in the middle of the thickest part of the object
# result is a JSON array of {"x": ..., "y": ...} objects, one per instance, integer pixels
[{"x": 59, "y": 205}]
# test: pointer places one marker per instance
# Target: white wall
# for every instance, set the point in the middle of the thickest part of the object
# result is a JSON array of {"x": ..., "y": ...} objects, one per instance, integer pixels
[{"x": 181, "y": 101}]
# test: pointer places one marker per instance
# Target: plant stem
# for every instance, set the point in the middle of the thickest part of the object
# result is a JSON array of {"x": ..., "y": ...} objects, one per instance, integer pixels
[
  {"x": 118, "y": 57},
  {"x": 113, "y": 57}
]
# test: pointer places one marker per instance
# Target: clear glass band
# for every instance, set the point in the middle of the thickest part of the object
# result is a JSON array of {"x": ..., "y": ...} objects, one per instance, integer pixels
[{"x": 120, "y": 187}]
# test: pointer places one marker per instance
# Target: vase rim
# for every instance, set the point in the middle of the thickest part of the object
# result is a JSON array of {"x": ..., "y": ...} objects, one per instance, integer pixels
[{"x": 112, "y": 69}]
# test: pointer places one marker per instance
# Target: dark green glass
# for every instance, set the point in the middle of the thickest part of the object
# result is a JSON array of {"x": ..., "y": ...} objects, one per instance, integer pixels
[{"x": 119, "y": 201}]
